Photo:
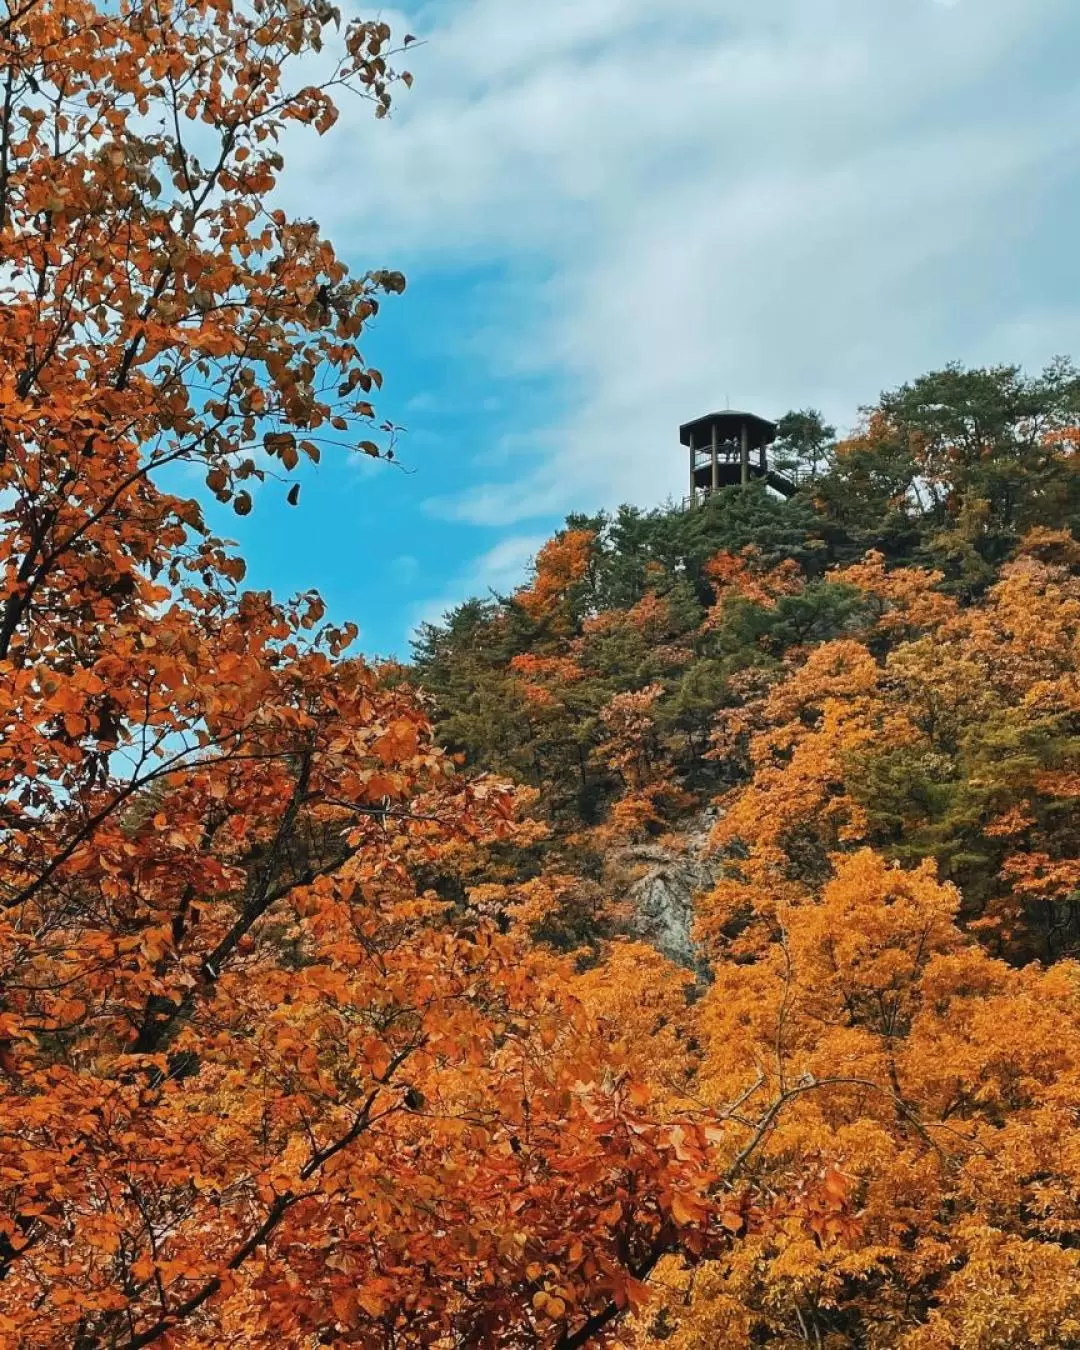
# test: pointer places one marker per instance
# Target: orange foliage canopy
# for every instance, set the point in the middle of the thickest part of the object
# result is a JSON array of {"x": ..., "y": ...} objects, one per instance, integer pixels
[
  {"x": 743, "y": 575},
  {"x": 560, "y": 565},
  {"x": 256, "y": 1087},
  {"x": 885, "y": 1042},
  {"x": 916, "y": 1088}
]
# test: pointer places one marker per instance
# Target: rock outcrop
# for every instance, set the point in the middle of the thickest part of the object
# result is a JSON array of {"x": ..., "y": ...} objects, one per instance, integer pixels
[{"x": 660, "y": 883}]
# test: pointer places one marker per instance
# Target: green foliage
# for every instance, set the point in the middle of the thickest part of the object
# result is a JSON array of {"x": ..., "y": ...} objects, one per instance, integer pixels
[
  {"x": 635, "y": 549},
  {"x": 462, "y": 664},
  {"x": 954, "y": 467},
  {"x": 947, "y": 471},
  {"x": 466, "y": 663},
  {"x": 934, "y": 800},
  {"x": 803, "y": 446}
]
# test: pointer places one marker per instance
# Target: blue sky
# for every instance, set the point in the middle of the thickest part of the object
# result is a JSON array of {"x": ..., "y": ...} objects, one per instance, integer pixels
[{"x": 617, "y": 214}]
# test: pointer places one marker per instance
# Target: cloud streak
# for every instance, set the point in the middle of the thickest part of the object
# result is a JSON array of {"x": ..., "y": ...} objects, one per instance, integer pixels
[
  {"x": 787, "y": 203},
  {"x": 499, "y": 570}
]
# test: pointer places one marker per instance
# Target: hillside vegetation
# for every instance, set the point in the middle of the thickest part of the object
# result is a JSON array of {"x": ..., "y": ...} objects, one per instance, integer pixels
[{"x": 878, "y": 684}]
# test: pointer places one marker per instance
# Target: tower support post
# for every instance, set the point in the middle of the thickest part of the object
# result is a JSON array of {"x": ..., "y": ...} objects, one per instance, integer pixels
[
  {"x": 715, "y": 458},
  {"x": 744, "y": 467}
]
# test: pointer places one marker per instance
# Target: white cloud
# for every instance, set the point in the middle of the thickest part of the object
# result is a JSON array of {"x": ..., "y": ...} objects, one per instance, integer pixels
[
  {"x": 501, "y": 569},
  {"x": 789, "y": 202}
]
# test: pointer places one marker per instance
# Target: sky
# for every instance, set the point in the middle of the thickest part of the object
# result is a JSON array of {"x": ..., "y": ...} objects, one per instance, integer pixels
[{"x": 616, "y": 215}]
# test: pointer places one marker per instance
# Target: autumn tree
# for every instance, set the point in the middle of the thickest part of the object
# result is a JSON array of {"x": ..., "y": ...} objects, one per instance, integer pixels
[
  {"x": 927, "y": 1090},
  {"x": 893, "y": 944},
  {"x": 297, "y": 1044},
  {"x": 255, "y": 1086},
  {"x": 940, "y": 731}
]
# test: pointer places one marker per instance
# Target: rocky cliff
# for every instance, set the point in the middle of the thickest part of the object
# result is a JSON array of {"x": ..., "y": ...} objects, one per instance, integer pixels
[{"x": 660, "y": 883}]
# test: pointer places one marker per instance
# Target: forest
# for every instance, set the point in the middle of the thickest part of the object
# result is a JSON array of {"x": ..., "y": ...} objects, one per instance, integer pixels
[
  {"x": 329, "y": 1014},
  {"x": 874, "y": 686}
]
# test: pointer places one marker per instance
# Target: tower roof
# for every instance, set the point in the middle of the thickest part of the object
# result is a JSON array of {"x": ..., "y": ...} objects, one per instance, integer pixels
[{"x": 729, "y": 426}]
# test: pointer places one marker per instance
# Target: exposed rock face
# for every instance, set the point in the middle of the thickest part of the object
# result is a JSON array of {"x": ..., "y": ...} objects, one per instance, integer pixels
[{"x": 661, "y": 884}]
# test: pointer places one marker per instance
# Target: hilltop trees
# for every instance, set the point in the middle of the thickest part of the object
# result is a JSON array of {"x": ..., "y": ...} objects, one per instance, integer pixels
[
  {"x": 803, "y": 445},
  {"x": 949, "y": 472},
  {"x": 520, "y": 683},
  {"x": 961, "y": 463},
  {"x": 891, "y": 740}
]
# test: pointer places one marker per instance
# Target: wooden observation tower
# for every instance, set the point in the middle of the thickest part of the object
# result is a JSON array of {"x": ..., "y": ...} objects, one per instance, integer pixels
[{"x": 728, "y": 449}]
